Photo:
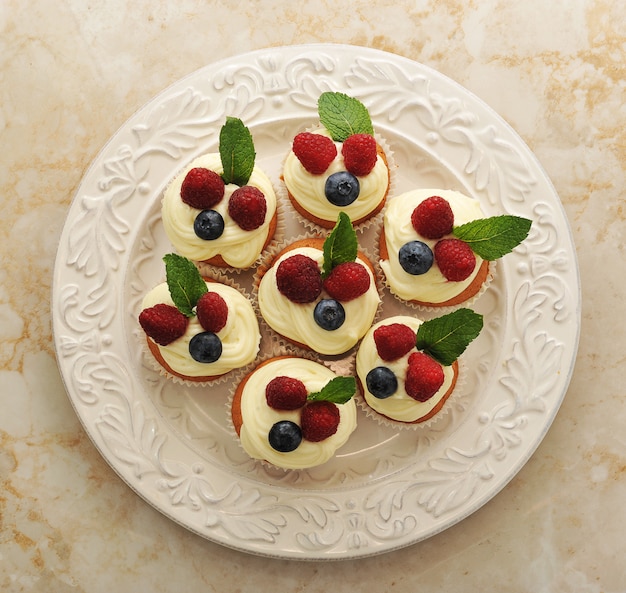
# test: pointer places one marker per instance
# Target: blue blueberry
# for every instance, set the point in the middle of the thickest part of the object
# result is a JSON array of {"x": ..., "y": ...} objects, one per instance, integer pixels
[
  {"x": 329, "y": 314},
  {"x": 415, "y": 258},
  {"x": 205, "y": 347},
  {"x": 342, "y": 188},
  {"x": 208, "y": 225},
  {"x": 285, "y": 436},
  {"x": 381, "y": 382}
]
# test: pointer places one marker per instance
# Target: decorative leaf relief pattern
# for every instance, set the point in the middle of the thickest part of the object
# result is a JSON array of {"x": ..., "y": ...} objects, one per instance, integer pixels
[
  {"x": 175, "y": 126},
  {"x": 132, "y": 437},
  {"x": 307, "y": 79},
  {"x": 98, "y": 373},
  {"x": 444, "y": 486},
  {"x": 96, "y": 239},
  {"x": 71, "y": 308}
]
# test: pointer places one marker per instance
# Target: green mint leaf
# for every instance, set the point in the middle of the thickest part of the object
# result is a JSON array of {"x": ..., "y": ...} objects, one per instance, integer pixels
[
  {"x": 343, "y": 116},
  {"x": 236, "y": 152},
  {"x": 445, "y": 338},
  {"x": 491, "y": 238},
  {"x": 185, "y": 283},
  {"x": 338, "y": 390},
  {"x": 341, "y": 245}
]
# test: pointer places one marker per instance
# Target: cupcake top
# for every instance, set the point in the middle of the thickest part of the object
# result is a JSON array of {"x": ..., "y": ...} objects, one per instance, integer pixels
[
  {"x": 435, "y": 244},
  {"x": 294, "y": 413},
  {"x": 407, "y": 368},
  {"x": 321, "y": 294},
  {"x": 199, "y": 328},
  {"x": 221, "y": 206},
  {"x": 339, "y": 166}
]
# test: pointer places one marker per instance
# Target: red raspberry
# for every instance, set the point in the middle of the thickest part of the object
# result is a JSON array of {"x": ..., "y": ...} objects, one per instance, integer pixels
[
  {"x": 314, "y": 151},
  {"x": 359, "y": 154},
  {"x": 319, "y": 420},
  {"x": 455, "y": 259},
  {"x": 163, "y": 323},
  {"x": 393, "y": 341},
  {"x": 433, "y": 218},
  {"x": 424, "y": 377},
  {"x": 299, "y": 279},
  {"x": 285, "y": 393},
  {"x": 247, "y": 207},
  {"x": 212, "y": 312},
  {"x": 202, "y": 188},
  {"x": 347, "y": 281}
]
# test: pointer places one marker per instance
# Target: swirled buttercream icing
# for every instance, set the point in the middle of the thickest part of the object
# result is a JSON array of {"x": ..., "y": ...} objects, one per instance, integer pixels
[
  {"x": 295, "y": 321},
  {"x": 237, "y": 247},
  {"x": 258, "y": 417},
  {"x": 240, "y": 337},
  {"x": 400, "y": 406},
  {"x": 432, "y": 286},
  {"x": 308, "y": 190}
]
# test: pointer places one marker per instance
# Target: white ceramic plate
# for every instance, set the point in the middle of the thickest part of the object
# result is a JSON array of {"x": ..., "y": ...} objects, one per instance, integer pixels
[{"x": 386, "y": 489}]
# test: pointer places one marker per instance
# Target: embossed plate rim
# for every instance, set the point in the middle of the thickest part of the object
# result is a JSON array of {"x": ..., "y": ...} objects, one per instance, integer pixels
[{"x": 541, "y": 277}]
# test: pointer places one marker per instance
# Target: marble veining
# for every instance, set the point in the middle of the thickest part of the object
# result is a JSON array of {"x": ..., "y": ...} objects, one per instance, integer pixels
[{"x": 72, "y": 73}]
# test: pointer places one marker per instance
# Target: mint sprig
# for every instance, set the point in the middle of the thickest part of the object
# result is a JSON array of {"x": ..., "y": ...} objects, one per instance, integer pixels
[
  {"x": 341, "y": 245},
  {"x": 338, "y": 391},
  {"x": 491, "y": 238},
  {"x": 343, "y": 116},
  {"x": 445, "y": 338},
  {"x": 236, "y": 152},
  {"x": 185, "y": 283}
]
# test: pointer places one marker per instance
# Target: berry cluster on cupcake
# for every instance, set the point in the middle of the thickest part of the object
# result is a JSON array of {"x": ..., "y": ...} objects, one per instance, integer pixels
[
  {"x": 436, "y": 246},
  {"x": 198, "y": 329},
  {"x": 408, "y": 368},
  {"x": 293, "y": 412},
  {"x": 339, "y": 167},
  {"x": 221, "y": 209},
  {"x": 320, "y": 294}
]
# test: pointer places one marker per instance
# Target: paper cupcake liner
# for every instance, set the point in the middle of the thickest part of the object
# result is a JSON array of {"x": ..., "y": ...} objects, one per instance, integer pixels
[
  {"x": 431, "y": 309},
  {"x": 264, "y": 344},
  {"x": 372, "y": 220},
  {"x": 429, "y": 424}
]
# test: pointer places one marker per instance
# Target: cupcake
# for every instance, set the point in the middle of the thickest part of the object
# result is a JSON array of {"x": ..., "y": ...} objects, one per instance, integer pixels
[
  {"x": 293, "y": 413},
  {"x": 407, "y": 369},
  {"x": 320, "y": 294},
  {"x": 436, "y": 246},
  {"x": 221, "y": 209},
  {"x": 338, "y": 167},
  {"x": 198, "y": 329}
]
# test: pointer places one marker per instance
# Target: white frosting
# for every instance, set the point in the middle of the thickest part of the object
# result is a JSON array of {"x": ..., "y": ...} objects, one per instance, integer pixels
[
  {"x": 308, "y": 189},
  {"x": 238, "y": 248},
  {"x": 433, "y": 286},
  {"x": 240, "y": 336},
  {"x": 258, "y": 417},
  {"x": 400, "y": 406},
  {"x": 295, "y": 320}
]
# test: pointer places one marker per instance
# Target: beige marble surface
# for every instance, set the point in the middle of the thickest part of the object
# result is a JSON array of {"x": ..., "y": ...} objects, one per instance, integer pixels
[{"x": 72, "y": 72}]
